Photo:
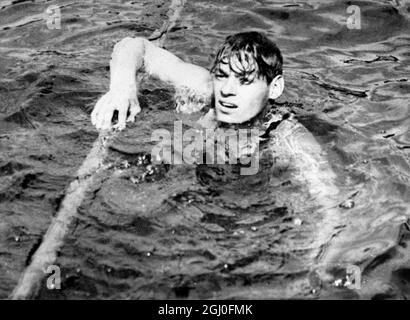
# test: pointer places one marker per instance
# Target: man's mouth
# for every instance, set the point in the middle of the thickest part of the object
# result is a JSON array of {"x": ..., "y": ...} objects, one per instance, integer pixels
[{"x": 228, "y": 104}]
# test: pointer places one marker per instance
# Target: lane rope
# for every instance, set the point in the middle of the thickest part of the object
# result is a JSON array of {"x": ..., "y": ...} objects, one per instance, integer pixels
[{"x": 46, "y": 254}]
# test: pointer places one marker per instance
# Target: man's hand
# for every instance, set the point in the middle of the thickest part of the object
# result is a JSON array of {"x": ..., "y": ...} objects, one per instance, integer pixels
[
  {"x": 119, "y": 100},
  {"x": 130, "y": 58},
  {"x": 126, "y": 60}
]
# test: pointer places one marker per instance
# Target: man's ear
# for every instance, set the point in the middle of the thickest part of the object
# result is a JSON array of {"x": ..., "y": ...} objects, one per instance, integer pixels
[{"x": 276, "y": 87}]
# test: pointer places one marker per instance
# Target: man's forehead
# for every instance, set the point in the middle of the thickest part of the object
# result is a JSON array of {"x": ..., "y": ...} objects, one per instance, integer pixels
[{"x": 239, "y": 63}]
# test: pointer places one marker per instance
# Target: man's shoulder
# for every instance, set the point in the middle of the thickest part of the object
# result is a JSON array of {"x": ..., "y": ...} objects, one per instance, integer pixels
[
  {"x": 292, "y": 127},
  {"x": 281, "y": 123},
  {"x": 292, "y": 135}
]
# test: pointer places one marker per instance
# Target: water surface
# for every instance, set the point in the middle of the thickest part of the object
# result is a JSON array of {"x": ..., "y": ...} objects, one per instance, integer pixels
[{"x": 186, "y": 231}]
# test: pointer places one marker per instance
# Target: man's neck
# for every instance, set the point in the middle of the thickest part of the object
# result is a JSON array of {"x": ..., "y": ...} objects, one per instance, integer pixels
[{"x": 255, "y": 122}]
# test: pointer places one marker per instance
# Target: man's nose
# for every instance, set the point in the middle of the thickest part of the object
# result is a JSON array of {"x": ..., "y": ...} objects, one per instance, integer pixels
[{"x": 230, "y": 87}]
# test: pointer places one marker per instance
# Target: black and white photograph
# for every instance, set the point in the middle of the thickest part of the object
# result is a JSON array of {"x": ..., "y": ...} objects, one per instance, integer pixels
[{"x": 211, "y": 150}]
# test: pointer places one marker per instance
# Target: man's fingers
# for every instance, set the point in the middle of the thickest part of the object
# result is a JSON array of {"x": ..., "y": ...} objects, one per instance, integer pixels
[
  {"x": 100, "y": 110},
  {"x": 94, "y": 116},
  {"x": 122, "y": 114},
  {"x": 101, "y": 116},
  {"x": 105, "y": 115},
  {"x": 134, "y": 110},
  {"x": 96, "y": 110},
  {"x": 105, "y": 121}
]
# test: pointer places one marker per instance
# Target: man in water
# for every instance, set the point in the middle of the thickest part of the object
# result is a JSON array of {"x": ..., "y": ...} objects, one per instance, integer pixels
[{"x": 246, "y": 74}]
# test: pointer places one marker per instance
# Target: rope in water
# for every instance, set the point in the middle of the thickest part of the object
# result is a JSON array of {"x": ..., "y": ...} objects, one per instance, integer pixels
[{"x": 46, "y": 254}]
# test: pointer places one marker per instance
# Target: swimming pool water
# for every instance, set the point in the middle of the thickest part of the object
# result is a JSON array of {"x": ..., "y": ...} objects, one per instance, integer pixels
[{"x": 191, "y": 232}]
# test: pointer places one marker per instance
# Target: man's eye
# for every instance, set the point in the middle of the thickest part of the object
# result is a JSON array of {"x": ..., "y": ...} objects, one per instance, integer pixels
[
  {"x": 220, "y": 75},
  {"x": 245, "y": 81}
]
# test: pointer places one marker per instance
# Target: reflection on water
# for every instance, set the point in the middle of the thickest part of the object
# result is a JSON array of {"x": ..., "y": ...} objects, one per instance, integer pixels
[{"x": 200, "y": 232}]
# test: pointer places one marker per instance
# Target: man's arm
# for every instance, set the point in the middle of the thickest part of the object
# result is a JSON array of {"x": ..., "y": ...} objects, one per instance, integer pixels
[
  {"x": 133, "y": 55},
  {"x": 310, "y": 161},
  {"x": 313, "y": 170}
]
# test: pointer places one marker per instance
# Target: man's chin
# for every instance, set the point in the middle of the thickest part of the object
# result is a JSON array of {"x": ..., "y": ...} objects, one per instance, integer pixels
[
  {"x": 223, "y": 117},
  {"x": 228, "y": 117}
]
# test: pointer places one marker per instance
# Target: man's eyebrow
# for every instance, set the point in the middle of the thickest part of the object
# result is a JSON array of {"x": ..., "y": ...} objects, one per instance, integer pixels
[
  {"x": 248, "y": 76},
  {"x": 219, "y": 70}
]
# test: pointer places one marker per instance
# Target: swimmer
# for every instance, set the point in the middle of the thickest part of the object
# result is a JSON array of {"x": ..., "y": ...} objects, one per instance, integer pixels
[
  {"x": 247, "y": 73},
  {"x": 245, "y": 76}
]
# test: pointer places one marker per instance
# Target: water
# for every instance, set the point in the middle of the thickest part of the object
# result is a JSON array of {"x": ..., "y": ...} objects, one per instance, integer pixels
[{"x": 185, "y": 231}]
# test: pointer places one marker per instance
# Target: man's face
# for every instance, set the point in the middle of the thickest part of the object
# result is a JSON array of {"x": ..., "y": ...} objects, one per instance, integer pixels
[{"x": 238, "y": 99}]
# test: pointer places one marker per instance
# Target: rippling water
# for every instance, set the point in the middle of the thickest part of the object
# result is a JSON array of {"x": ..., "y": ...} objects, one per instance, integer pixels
[{"x": 192, "y": 232}]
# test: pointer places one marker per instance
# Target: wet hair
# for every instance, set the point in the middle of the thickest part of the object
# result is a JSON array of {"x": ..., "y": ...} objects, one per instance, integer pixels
[{"x": 250, "y": 55}]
